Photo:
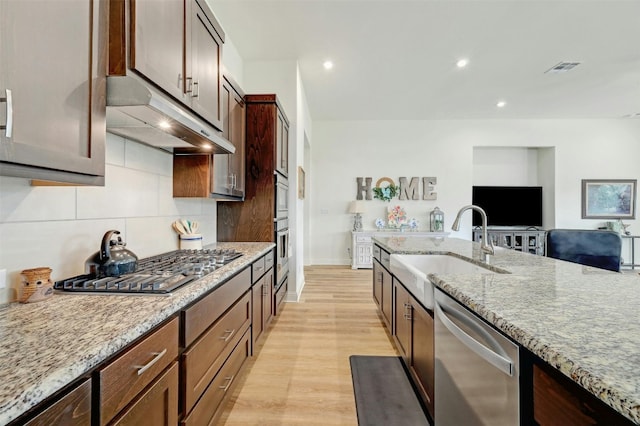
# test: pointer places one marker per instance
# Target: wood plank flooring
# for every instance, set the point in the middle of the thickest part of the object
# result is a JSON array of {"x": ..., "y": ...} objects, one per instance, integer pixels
[{"x": 301, "y": 375}]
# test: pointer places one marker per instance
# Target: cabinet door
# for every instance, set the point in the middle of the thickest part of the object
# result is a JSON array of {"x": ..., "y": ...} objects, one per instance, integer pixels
[
  {"x": 158, "y": 405},
  {"x": 204, "y": 52},
  {"x": 74, "y": 408},
  {"x": 422, "y": 353},
  {"x": 157, "y": 43},
  {"x": 402, "y": 321},
  {"x": 221, "y": 175},
  {"x": 53, "y": 113},
  {"x": 237, "y": 137},
  {"x": 282, "y": 145},
  {"x": 387, "y": 293},
  {"x": 377, "y": 284}
]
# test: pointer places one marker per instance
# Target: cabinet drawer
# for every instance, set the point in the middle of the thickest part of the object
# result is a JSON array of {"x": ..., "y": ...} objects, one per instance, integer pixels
[
  {"x": 376, "y": 252},
  {"x": 385, "y": 259},
  {"x": 258, "y": 268},
  {"x": 122, "y": 379},
  {"x": 202, "y": 361},
  {"x": 208, "y": 408},
  {"x": 74, "y": 408},
  {"x": 280, "y": 294},
  {"x": 197, "y": 318},
  {"x": 363, "y": 239},
  {"x": 269, "y": 260},
  {"x": 158, "y": 405}
]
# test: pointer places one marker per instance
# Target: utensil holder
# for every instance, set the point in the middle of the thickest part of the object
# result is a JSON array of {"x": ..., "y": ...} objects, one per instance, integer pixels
[
  {"x": 191, "y": 242},
  {"x": 36, "y": 285}
]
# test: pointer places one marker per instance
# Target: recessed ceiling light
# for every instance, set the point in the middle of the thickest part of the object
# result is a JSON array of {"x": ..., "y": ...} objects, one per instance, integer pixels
[
  {"x": 164, "y": 124},
  {"x": 462, "y": 63},
  {"x": 327, "y": 65},
  {"x": 501, "y": 104}
]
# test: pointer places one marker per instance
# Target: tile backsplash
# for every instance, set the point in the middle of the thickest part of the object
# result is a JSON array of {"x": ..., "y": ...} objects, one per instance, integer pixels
[{"x": 60, "y": 227}]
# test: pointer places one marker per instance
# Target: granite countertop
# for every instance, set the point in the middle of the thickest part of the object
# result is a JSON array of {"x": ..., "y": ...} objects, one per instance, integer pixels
[
  {"x": 49, "y": 344},
  {"x": 581, "y": 320}
]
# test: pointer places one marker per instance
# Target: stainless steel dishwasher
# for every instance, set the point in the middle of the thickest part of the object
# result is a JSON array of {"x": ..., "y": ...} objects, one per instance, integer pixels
[{"x": 476, "y": 369}]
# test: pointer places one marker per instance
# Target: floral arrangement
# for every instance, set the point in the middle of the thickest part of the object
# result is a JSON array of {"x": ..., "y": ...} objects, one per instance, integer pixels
[
  {"x": 396, "y": 217},
  {"x": 386, "y": 193}
]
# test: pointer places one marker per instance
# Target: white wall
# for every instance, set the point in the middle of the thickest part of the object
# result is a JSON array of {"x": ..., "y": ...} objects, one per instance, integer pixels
[
  {"x": 60, "y": 227},
  {"x": 343, "y": 151}
]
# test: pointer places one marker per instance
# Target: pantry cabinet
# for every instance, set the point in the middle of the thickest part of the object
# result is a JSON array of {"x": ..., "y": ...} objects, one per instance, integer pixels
[
  {"x": 52, "y": 121},
  {"x": 176, "y": 44}
]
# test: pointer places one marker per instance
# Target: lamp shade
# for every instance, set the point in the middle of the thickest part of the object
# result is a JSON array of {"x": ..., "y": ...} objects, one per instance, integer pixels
[{"x": 356, "y": 206}]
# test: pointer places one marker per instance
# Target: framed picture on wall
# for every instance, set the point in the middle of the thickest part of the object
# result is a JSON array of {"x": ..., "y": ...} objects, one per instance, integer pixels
[{"x": 609, "y": 198}]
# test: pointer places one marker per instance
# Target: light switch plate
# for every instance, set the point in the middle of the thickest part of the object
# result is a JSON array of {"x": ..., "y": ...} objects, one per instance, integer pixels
[{"x": 3, "y": 278}]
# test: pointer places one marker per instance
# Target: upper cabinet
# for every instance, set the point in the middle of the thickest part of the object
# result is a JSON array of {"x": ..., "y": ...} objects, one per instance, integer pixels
[
  {"x": 282, "y": 145},
  {"x": 176, "y": 44},
  {"x": 219, "y": 176},
  {"x": 52, "y": 108}
]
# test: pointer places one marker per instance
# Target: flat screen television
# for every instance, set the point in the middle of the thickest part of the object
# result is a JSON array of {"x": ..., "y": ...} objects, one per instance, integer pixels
[{"x": 508, "y": 205}]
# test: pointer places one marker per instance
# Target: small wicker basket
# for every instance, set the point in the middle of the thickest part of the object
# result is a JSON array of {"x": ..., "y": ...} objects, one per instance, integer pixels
[{"x": 36, "y": 285}]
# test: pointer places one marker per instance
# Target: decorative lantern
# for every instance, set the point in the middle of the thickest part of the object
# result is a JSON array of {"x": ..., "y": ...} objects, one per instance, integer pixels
[{"x": 437, "y": 220}]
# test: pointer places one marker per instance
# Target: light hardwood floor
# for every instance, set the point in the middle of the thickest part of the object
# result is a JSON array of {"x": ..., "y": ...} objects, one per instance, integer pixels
[{"x": 301, "y": 375}]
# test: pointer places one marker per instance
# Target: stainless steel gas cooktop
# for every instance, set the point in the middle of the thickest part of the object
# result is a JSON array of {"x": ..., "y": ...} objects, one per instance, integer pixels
[{"x": 159, "y": 274}]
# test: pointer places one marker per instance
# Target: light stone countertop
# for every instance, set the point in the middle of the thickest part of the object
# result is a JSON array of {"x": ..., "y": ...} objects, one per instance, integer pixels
[
  {"x": 583, "y": 321},
  {"x": 49, "y": 344}
]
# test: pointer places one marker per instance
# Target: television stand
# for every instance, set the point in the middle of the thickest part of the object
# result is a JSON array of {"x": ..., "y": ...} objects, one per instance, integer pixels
[{"x": 525, "y": 239}]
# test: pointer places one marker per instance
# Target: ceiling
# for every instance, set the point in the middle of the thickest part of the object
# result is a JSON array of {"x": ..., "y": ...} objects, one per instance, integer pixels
[{"x": 396, "y": 59}]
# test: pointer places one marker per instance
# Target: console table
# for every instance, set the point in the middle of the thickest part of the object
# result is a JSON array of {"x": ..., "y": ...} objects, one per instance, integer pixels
[
  {"x": 362, "y": 246},
  {"x": 527, "y": 240},
  {"x": 629, "y": 252}
]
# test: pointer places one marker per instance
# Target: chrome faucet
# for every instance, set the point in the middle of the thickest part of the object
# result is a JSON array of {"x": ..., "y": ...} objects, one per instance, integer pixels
[{"x": 486, "y": 246}]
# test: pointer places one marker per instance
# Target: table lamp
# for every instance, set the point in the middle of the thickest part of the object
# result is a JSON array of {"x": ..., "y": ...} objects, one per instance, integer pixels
[{"x": 357, "y": 207}]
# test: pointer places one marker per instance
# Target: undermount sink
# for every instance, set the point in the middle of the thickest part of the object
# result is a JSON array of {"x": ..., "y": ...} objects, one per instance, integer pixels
[{"x": 412, "y": 271}]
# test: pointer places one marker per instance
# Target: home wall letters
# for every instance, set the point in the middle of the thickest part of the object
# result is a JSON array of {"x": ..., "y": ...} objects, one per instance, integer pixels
[{"x": 409, "y": 189}]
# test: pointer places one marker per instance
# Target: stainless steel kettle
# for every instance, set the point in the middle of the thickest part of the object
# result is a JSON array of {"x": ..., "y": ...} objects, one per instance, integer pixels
[{"x": 113, "y": 259}]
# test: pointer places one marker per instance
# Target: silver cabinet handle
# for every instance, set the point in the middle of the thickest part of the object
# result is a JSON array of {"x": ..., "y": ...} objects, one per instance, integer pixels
[
  {"x": 497, "y": 360},
  {"x": 228, "y": 334},
  {"x": 142, "y": 369},
  {"x": 196, "y": 90},
  {"x": 189, "y": 85},
  {"x": 8, "y": 128},
  {"x": 229, "y": 380}
]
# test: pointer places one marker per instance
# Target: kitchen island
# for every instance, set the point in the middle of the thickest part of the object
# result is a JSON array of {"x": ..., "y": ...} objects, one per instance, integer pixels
[
  {"x": 579, "y": 320},
  {"x": 48, "y": 345}
]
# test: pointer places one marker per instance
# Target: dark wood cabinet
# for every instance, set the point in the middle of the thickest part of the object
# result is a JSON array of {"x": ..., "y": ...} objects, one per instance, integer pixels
[
  {"x": 282, "y": 145},
  {"x": 52, "y": 121},
  {"x": 383, "y": 286},
  {"x": 157, "y": 405},
  {"x": 216, "y": 339},
  {"x": 263, "y": 300},
  {"x": 176, "y": 44},
  {"x": 557, "y": 400},
  {"x": 415, "y": 342},
  {"x": 122, "y": 380},
  {"x": 252, "y": 220},
  {"x": 73, "y": 408},
  {"x": 401, "y": 321},
  {"x": 377, "y": 284},
  {"x": 218, "y": 176}
]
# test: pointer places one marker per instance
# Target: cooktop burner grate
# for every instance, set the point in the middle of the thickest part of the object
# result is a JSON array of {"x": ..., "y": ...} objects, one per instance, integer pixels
[{"x": 160, "y": 274}]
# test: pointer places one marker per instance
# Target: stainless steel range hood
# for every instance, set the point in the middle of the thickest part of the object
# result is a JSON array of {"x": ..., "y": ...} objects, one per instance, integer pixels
[{"x": 138, "y": 111}]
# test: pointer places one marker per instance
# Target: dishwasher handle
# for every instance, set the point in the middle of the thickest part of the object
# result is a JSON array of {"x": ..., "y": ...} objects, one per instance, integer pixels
[{"x": 499, "y": 361}]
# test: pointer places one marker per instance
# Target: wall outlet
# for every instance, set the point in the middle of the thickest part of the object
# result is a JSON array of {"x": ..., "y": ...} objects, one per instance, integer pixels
[{"x": 3, "y": 278}]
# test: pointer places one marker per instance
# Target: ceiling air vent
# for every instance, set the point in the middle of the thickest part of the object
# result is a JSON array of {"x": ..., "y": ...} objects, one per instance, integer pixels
[{"x": 562, "y": 67}]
